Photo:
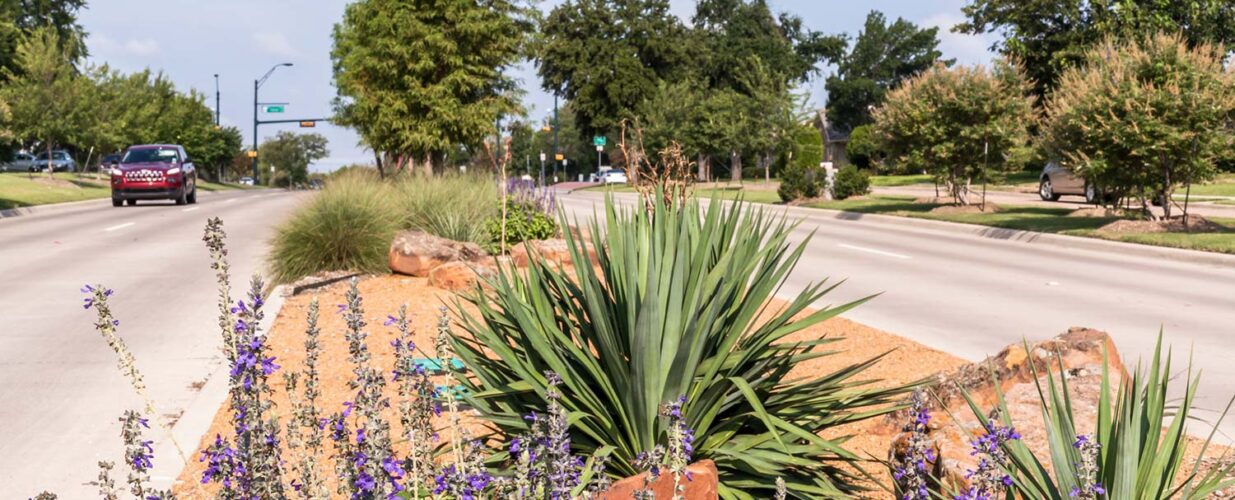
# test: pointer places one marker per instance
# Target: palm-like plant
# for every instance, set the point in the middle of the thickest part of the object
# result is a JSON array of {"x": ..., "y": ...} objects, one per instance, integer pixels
[
  {"x": 677, "y": 305},
  {"x": 1141, "y": 436}
]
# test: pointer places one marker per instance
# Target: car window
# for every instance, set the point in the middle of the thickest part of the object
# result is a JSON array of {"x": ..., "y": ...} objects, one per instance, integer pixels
[{"x": 150, "y": 155}]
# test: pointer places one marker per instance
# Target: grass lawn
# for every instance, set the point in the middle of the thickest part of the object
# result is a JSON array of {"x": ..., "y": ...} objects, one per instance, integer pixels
[
  {"x": 1010, "y": 180},
  {"x": 23, "y": 190},
  {"x": 1224, "y": 185}
]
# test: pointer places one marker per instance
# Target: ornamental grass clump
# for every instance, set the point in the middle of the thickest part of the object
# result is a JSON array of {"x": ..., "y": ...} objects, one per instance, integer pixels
[
  {"x": 1136, "y": 452},
  {"x": 676, "y": 306}
]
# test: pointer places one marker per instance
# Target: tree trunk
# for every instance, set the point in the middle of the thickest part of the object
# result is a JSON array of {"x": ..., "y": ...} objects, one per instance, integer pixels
[
  {"x": 767, "y": 168},
  {"x": 381, "y": 170},
  {"x": 51, "y": 172},
  {"x": 702, "y": 163},
  {"x": 735, "y": 166}
]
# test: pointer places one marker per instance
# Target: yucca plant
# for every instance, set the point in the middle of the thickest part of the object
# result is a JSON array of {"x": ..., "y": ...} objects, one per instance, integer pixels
[
  {"x": 677, "y": 305},
  {"x": 1137, "y": 450}
]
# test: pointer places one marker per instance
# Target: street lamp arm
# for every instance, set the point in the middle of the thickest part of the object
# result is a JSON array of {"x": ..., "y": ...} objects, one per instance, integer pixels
[{"x": 262, "y": 80}]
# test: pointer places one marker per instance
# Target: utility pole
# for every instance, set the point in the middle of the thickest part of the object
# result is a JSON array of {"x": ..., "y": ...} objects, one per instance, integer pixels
[
  {"x": 555, "y": 124},
  {"x": 216, "y": 100},
  {"x": 542, "y": 169}
]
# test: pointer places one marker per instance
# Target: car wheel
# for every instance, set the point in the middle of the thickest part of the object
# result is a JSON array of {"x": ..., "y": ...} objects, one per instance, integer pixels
[
  {"x": 117, "y": 202},
  {"x": 193, "y": 196},
  {"x": 1091, "y": 194},
  {"x": 131, "y": 203},
  {"x": 1046, "y": 191}
]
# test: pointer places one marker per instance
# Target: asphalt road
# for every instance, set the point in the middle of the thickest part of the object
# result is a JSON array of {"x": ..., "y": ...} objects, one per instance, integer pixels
[
  {"x": 971, "y": 295},
  {"x": 60, "y": 390}
]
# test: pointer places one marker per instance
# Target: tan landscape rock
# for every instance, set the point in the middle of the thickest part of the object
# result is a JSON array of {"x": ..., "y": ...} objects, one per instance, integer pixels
[
  {"x": 954, "y": 425},
  {"x": 703, "y": 484},
  {"x": 458, "y": 275},
  {"x": 415, "y": 253},
  {"x": 555, "y": 251}
]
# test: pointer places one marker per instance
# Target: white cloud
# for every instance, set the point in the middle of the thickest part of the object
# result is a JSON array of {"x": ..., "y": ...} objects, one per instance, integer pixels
[
  {"x": 104, "y": 45},
  {"x": 967, "y": 49},
  {"x": 275, "y": 44}
]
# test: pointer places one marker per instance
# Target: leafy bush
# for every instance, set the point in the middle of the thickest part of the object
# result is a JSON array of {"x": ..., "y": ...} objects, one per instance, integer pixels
[
  {"x": 529, "y": 216},
  {"x": 349, "y": 224},
  {"x": 346, "y": 226},
  {"x": 863, "y": 148},
  {"x": 802, "y": 177},
  {"x": 1136, "y": 451},
  {"x": 850, "y": 181},
  {"x": 675, "y": 308}
]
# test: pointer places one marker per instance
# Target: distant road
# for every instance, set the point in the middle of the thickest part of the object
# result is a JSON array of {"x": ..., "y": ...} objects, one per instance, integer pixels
[
  {"x": 60, "y": 390},
  {"x": 972, "y": 295}
]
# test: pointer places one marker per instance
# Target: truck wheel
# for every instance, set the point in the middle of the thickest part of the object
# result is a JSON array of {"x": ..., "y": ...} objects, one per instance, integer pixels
[
  {"x": 183, "y": 197},
  {"x": 117, "y": 202},
  {"x": 1046, "y": 191},
  {"x": 1092, "y": 196},
  {"x": 193, "y": 196}
]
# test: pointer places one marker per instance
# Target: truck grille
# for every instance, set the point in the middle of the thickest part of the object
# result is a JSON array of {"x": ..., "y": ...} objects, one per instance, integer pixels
[{"x": 144, "y": 175}]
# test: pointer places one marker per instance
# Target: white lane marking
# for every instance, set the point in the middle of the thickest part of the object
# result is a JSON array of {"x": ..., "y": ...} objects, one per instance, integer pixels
[
  {"x": 229, "y": 200},
  {"x": 874, "y": 251},
  {"x": 190, "y": 209},
  {"x": 120, "y": 226}
]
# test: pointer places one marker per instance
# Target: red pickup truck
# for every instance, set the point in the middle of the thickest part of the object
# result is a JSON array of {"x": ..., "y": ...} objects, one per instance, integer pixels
[{"x": 153, "y": 172}]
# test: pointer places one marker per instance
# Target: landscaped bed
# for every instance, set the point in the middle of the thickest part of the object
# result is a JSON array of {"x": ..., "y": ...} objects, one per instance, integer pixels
[{"x": 384, "y": 294}]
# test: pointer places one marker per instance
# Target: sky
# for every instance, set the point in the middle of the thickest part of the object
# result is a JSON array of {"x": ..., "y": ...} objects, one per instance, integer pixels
[{"x": 192, "y": 40}]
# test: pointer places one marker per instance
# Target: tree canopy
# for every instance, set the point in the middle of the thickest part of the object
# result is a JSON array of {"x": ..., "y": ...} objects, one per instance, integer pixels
[
  {"x": 416, "y": 79},
  {"x": 1139, "y": 119},
  {"x": 607, "y": 56},
  {"x": 882, "y": 57},
  {"x": 291, "y": 154},
  {"x": 942, "y": 120},
  {"x": 21, "y": 18},
  {"x": 1049, "y": 36}
]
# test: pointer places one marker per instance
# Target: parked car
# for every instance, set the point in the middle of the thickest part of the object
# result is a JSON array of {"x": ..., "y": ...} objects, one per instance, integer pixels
[
  {"x": 61, "y": 161},
  {"x": 153, "y": 172},
  {"x": 614, "y": 177},
  {"x": 108, "y": 161},
  {"x": 1057, "y": 181},
  {"x": 246, "y": 181},
  {"x": 20, "y": 162}
]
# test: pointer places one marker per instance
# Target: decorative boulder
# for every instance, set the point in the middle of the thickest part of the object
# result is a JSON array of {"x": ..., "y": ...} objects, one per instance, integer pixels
[
  {"x": 555, "y": 251},
  {"x": 703, "y": 484},
  {"x": 458, "y": 275},
  {"x": 1081, "y": 351},
  {"x": 415, "y": 253}
]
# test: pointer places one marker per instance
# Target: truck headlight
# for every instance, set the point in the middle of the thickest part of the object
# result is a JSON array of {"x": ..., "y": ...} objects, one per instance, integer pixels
[
  {"x": 173, "y": 171},
  {"x": 116, "y": 171}
]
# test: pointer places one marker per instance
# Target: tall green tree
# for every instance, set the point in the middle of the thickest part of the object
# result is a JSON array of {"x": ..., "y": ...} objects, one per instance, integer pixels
[
  {"x": 943, "y": 121},
  {"x": 45, "y": 95},
  {"x": 417, "y": 78},
  {"x": 21, "y": 18},
  {"x": 882, "y": 57},
  {"x": 1140, "y": 119},
  {"x": 607, "y": 56},
  {"x": 1049, "y": 36},
  {"x": 291, "y": 154}
]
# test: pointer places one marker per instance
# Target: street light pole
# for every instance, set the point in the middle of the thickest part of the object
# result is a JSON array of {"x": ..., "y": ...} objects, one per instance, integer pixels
[
  {"x": 555, "y": 124},
  {"x": 216, "y": 99},
  {"x": 257, "y": 84}
]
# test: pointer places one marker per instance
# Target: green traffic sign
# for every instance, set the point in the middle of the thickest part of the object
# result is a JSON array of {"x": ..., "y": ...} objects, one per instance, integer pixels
[
  {"x": 598, "y": 140},
  {"x": 274, "y": 109}
]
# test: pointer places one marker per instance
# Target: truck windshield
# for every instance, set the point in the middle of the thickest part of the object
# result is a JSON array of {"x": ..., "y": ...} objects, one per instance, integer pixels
[{"x": 150, "y": 156}]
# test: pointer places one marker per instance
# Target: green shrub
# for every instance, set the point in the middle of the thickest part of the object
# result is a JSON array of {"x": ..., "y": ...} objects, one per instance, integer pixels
[
  {"x": 850, "y": 181},
  {"x": 1141, "y": 436},
  {"x": 675, "y": 308},
  {"x": 863, "y": 147},
  {"x": 802, "y": 177},
  {"x": 453, "y": 206},
  {"x": 524, "y": 222},
  {"x": 346, "y": 226}
]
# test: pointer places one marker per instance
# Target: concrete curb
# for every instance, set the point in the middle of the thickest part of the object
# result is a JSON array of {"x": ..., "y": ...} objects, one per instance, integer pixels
[
  {"x": 200, "y": 412},
  {"x": 1013, "y": 235},
  {"x": 101, "y": 202}
]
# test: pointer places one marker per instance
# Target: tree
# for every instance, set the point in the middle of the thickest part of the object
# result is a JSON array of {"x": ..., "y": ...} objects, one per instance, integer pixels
[
  {"x": 732, "y": 32},
  {"x": 21, "y": 18},
  {"x": 416, "y": 79},
  {"x": 217, "y": 151},
  {"x": 45, "y": 94},
  {"x": 942, "y": 120},
  {"x": 1049, "y": 36},
  {"x": 291, "y": 154},
  {"x": 883, "y": 56},
  {"x": 863, "y": 148},
  {"x": 1140, "y": 119},
  {"x": 607, "y": 56}
]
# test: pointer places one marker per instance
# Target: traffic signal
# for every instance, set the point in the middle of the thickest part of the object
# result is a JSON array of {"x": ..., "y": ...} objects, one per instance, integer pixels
[
  {"x": 308, "y": 124},
  {"x": 251, "y": 154},
  {"x": 559, "y": 157}
]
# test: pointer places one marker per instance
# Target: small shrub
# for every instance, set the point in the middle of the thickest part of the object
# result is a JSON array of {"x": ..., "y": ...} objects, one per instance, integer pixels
[
  {"x": 863, "y": 148},
  {"x": 529, "y": 216},
  {"x": 453, "y": 206},
  {"x": 850, "y": 182},
  {"x": 347, "y": 226},
  {"x": 802, "y": 177}
]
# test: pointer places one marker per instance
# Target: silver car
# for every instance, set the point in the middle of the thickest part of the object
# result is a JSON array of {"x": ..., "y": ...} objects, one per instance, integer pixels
[
  {"x": 1057, "y": 181},
  {"x": 21, "y": 162},
  {"x": 61, "y": 161}
]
